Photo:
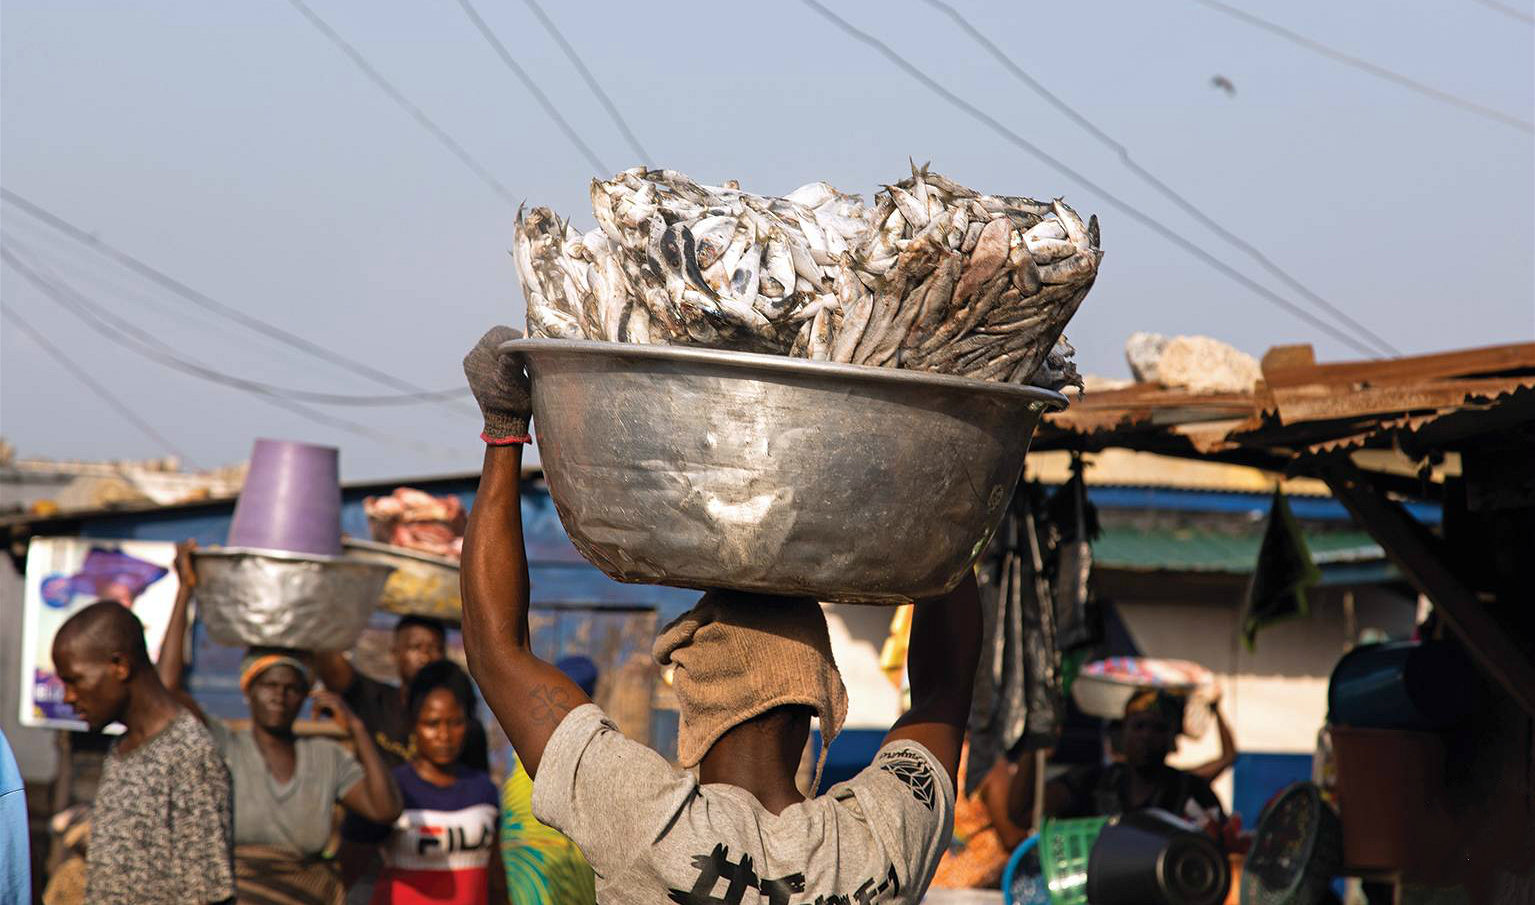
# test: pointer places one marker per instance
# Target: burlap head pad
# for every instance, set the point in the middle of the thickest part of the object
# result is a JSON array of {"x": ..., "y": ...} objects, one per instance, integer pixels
[{"x": 736, "y": 656}]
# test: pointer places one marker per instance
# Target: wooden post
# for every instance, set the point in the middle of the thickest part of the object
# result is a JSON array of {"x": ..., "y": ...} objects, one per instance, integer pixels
[
  {"x": 1040, "y": 757},
  {"x": 1417, "y": 553}
]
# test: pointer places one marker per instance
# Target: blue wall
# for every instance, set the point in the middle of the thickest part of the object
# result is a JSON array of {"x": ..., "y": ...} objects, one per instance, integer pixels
[{"x": 1258, "y": 777}]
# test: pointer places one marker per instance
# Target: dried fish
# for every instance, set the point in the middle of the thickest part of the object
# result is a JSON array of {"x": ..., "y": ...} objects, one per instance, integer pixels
[{"x": 934, "y": 275}]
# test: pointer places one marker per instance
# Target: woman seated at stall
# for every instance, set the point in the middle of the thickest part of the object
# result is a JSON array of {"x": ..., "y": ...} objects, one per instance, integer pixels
[
  {"x": 445, "y": 847},
  {"x": 284, "y": 786}
]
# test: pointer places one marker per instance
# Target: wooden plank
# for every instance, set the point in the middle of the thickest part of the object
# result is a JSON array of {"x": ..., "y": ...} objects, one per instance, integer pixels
[
  {"x": 1320, "y": 402},
  {"x": 1418, "y": 554},
  {"x": 1287, "y": 369}
]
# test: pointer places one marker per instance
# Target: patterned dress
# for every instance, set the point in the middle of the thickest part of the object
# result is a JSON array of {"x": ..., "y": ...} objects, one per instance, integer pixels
[{"x": 543, "y": 867}]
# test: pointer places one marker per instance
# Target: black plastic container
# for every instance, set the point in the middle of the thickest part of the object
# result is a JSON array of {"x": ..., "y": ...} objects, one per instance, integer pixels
[
  {"x": 1152, "y": 858},
  {"x": 1402, "y": 685}
]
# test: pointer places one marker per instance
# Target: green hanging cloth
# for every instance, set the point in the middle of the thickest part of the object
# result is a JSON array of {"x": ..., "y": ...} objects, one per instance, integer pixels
[{"x": 1282, "y": 575}]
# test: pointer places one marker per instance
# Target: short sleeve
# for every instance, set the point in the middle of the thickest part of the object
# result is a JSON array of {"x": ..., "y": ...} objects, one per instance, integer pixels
[
  {"x": 587, "y": 766},
  {"x": 343, "y": 766},
  {"x": 907, "y": 800},
  {"x": 202, "y": 827}
]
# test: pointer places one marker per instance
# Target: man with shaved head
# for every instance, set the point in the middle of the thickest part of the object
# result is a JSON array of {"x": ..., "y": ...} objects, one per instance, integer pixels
[{"x": 162, "y": 825}]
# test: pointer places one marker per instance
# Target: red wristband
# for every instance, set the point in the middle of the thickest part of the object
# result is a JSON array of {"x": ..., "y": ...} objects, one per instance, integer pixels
[{"x": 505, "y": 441}]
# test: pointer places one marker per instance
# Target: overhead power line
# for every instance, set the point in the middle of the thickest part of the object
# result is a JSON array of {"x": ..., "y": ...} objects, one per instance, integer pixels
[
  {"x": 167, "y": 355},
  {"x": 91, "y": 383},
  {"x": 202, "y": 300},
  {"x": 415, "y": 112},
  {"x": 591, "y": 82},
  {"x": 1362, "y": 65},
  {"x": 532, "y": 86},
  {"x": 1188, "y": 206},
  {"x": 1060, "y": 166},
  {"x": 1509, "y": 11},
  {"x": 99, "y": 319}
]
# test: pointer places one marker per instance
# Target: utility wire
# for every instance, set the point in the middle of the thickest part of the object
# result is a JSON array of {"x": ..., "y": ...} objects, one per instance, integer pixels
[
  {"x": 167, "y": 355},
  {"x": 591, "y": 81},
  {"x": 532, "y": 86},
  {"x": 416, "y": 113},
  {"x": 98, "y": 319},
  {"x": 66, "y": 264},
  {"x": 1366, "y": 66},
  {"x": 1509, "y": 11},
  {"x": 204, "y": 301},
  {"x": 1124, "y": 156},
  {"x": 91, "y": 383},
  {"x": 1060, "y": 166}
]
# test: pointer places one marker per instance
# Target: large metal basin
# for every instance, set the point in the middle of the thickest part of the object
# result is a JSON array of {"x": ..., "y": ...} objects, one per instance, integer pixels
[
  {"x": 422, "y": 584},
  {"x": 710, "y": 469},
  {"x": 258, "y": 597}
]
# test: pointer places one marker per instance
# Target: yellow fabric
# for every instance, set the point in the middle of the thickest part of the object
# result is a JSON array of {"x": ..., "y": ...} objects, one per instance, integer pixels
[
  {"x": 543, "y": 867},
  {"x": 256, "y": 664}
]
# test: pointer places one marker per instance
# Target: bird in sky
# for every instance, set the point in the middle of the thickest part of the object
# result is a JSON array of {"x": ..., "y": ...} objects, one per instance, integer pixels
[{"x": 1224, "y": 84}]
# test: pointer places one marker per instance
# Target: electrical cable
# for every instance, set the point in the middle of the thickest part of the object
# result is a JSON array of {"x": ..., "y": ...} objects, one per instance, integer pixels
[
  {"x": 167, "y": 355},
  {"x": 532, "y": 86},
  {"x": 1060, "y": 166},
  {"x": 591, "y": 81},
  {"x": 416, "y": 113},
  {"x": 1366, "y": 66},
  {"x": 91, "y": 383},
  {"x": 1509, "y": 11},
  {"x": 1124, "y": 156},
  {"x": 93, "y": 316},
  {"x": 57, "y": 254},
  {"x": 204, "y": 301}
]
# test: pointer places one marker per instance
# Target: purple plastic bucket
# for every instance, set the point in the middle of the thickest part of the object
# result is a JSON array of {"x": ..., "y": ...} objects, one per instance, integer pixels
[{"x": 291, "y": 500}]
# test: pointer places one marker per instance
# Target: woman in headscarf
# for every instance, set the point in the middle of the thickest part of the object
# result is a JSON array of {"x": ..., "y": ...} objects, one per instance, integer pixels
[
  {"x": 285, "y": 787},
  {"x": 445, "y": 847},
  {"x": 1142, "y": 779}
]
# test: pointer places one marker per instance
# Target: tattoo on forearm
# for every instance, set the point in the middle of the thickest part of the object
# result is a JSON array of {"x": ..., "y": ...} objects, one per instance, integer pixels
[{"x": 549, "y": 704}]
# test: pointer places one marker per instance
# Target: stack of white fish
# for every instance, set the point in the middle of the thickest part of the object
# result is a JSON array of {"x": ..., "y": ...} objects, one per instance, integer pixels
[{"x": 934, "y": 277}]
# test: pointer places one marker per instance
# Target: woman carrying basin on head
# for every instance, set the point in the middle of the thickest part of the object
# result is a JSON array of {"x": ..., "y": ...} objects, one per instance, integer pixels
[{"x": 284, "y": 786}]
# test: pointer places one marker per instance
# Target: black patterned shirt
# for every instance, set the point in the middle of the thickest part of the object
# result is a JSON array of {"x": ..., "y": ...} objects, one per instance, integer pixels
[{"x": 162, "y": 827}]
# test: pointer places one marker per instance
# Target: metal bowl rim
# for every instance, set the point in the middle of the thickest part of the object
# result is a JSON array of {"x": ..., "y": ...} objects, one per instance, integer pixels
[
  {"x": 380, "y": 548},
  {"x": 801, "y": 367},
  {"x": 287, "y": 556}
]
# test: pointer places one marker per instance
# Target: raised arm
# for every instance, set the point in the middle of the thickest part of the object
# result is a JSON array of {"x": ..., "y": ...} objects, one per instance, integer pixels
[
  {"x": 172, "y": 663},
  {"x": 1228, "y": 756},
  {"x": 335, "y": 670},
  {"x": 940, "y": 664},
  {"x": 528, "y": 696},
  {"x": 375, "y": 796}
]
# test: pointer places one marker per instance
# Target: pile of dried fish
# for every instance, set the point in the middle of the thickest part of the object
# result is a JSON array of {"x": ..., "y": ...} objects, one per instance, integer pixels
[{"x": 934, "y": 277}]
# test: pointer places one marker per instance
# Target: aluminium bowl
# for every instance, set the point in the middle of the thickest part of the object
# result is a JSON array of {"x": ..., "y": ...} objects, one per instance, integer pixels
[
  {"x": 256, "y": 597},
  {"x": 423, "y": 584},
  {"x": 703, "y": 468}
]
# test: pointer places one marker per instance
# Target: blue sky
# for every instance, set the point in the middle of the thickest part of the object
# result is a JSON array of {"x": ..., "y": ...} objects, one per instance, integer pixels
[{"x": 232, "y": 146}]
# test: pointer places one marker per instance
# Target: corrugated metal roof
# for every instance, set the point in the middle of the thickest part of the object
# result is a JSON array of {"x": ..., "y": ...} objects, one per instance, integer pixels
[
  {"x": 1413, "y": 407},
  {"x": 1205, "y": 550}
]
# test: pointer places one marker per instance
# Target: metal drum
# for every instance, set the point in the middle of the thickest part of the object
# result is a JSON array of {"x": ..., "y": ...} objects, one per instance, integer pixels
[
  {"x": 703, "y": 468},
  {"x": 272, "y": 598}
]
